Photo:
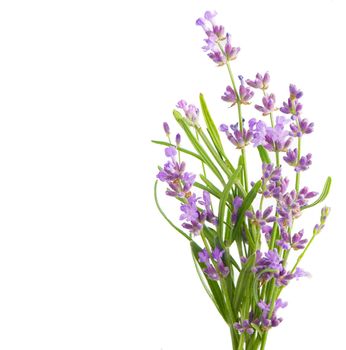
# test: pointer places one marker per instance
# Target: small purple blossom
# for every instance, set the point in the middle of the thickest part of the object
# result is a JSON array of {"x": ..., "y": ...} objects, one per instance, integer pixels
[
  {"x": 301, "y": 127},
  {"x": 260, "y": 218},
  {"x": 244, "y": 327},
  {"x": 245, "y": 94},
  {"x": 210, "y": 270},
  {"x": 230, "y": 51},
  {"x": 237, "y": 203},
  {"x": 294, "y": 92},
  {"x": 268, "y": 105},
  {"x": 270, "y": 321},
  {"x": 166, "y": 128},
  {"x": 173, "y": 173},
  {"x": 259, "y": 82},
  {"x": 302, "y": 164},
  {"x": 259, "y": 129},
  {"x": 191, "y": 111},
  {"x": 229, "y": 96},
  {"x": 238, "y": 138},
  {"x": 217, "y": 57},
  {"x": 277, "y": 139},
  {"x": 178, "y": 140}
]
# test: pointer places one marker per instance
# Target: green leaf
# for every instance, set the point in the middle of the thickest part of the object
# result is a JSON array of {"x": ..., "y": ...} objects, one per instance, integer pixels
[
  {"x": 163, "y": 143},
  {"x": 206, "y": 188},
  {"x": 200, "y": 150},
  {"x": 323, "y": 195},
  {"x": 245, "y": 280},
  {"x": 241, "y": 212},
  {"x": 213, "y": 285},
  {"x": 165, "y": 216},
  {"x": 214, "y": 134},
  {"x": 263, "y": 154},
  {"x": 223, "y": 199},
  {"x": 211, "y": 185}
]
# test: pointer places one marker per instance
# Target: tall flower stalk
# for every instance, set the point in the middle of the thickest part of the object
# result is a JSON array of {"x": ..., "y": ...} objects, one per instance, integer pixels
[{"x": 222, "y": 209}]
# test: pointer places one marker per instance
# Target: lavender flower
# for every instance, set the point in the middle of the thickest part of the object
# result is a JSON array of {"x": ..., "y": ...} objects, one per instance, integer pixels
[
  {"x": 266, "y": 265},
  {"x": 238, "y": 138},
  {"x": 173, "y": 173},
  {"x": 178, "y": 140},
  {"x": 294, "y": 92},
  {"x": 270, "y": 321},
  {"x": 191, "y": 112},
  {"x": 244, "y": 327},
  {"x": 210, "y": 270},
  {"x": 289, "y": 205},
  {"x": 166, "y": 128},
  {"x": 259, "y": 130},
  {"x": 293, "y": 106},
  {"x": 196, "y": 217},
  {"x": 208, "y": 211},
  {"x": 268, "y": 104},
  {"x": 217, "y": 57},
  {"x": 261, "y": 218},
  {"x": 230, "y": 51},
  {"x": 301, "y": 127},
  {"x": 237, "y": 203},
  {"x": 276, "y": 139},
  {"x": 296, "y": 242},
  {"x": 245, "y": 94},
  {"x": 259, "y": 82},
  {"x": 229, "y": 96},
  {"x": 273, "y": 184}
]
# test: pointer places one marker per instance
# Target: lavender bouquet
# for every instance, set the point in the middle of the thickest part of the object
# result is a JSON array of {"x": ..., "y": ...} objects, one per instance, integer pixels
[{"x": 245, "y": 237}]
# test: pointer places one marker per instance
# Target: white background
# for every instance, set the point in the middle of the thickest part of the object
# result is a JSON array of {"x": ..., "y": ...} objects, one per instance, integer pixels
[{"x": 86, "y": 262}]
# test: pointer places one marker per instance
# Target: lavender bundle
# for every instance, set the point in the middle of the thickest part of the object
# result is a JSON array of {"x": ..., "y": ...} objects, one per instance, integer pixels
[{"x": 246, "y": 240}]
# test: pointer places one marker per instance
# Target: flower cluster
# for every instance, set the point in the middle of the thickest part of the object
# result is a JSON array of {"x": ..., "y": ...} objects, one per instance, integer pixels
[
  {"x": 190, "y": 110},
  {"x": 215, "y": 266},
  {"x": 196, "y": 217},
  {"x": 217, "y": 44},
  {"x": 245, "y": 290},
  {"x": 173, "y": 173},
  {"x": 267, "y": 319},
  {"x": 270, "y": 265}
]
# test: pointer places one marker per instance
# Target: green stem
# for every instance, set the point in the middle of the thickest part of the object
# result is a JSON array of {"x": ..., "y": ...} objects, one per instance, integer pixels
[
  {"x": 203, "y": 167},
  {"x": 240, "y": 118}
]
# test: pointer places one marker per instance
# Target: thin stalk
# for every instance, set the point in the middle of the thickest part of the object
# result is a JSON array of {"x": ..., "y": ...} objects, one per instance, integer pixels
[
  {"x": 203, "y": 167},
  {"x": 240, "y": 118}
]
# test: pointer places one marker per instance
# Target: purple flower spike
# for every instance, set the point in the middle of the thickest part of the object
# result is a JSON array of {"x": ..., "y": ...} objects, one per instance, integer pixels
[
  {"x": 245, "y": 94},
  {"x": 304, "y": 163},
  {"x": 166, "y": 128},
  {"x": 230, "y": 51},
  {"x": 191, "y": 112},
  {"x": 294, "y": 92},
  {"x": 177, "y": 139},
  {"x": 238, "y": 138},
  {"x": 229, "y": 96},
  {"x": 277, "y": 138},
  {"x": 268, "y": 105},
  {"x": 291, "y": 157},
  {"x": 244, "y": 327},
  {"x": 237, "y": 203},
  {"x": 217, "y": 56},
  {"x": 300, "y": 273},
  {"x": 210, "y": 271},
  {"x": 259, "y": 82},
  {"x": 301, "y": 127},
  {"x": 297, "y": 241},
  {"x": 173, "y": 173}
]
